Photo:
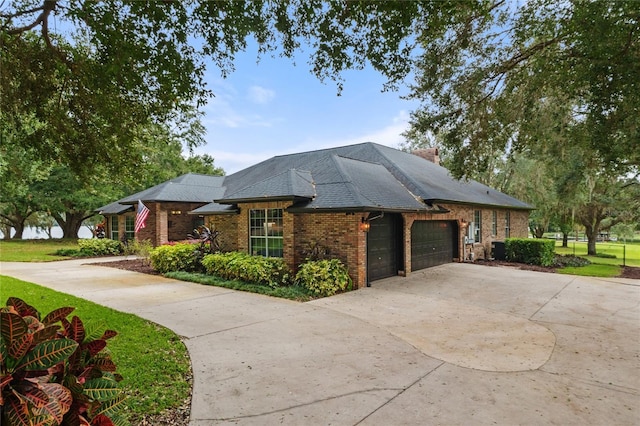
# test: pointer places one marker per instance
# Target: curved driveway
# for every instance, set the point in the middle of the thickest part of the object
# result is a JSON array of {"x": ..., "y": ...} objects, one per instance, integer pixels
[{"x": 457, "y": 344}]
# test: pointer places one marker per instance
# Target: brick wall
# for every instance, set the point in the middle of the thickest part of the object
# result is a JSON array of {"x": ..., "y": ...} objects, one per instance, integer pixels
[
  {"x": 167, "y": 222},
  {"x": 519, "y": 227},
  {"x": 340, "y": 233},
  {"x": 227, "y": 225},
  {"x": 287, "y": 223}
]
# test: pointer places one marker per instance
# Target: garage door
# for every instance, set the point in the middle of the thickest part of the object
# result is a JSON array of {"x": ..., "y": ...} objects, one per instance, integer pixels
[
  {"x": 432, "y": 243},
  {"x": 384, "y": 252}
]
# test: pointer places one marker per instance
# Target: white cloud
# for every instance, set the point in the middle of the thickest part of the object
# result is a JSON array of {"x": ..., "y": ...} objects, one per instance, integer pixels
[
  {"x": 222, "y": 111},
  {"x": 260, "y": 95},
  {"x": 233, "y": 161},
  {"x": 390, "y": 135}
]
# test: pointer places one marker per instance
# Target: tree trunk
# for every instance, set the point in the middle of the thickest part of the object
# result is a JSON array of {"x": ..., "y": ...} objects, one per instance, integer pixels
[
  {"x": 592, "y": 236},
  {"x": 70, "y": 223},
  {"x": 6, "y": 232},
  {"x": 19, "y": 227},
  {"x": 565, "y": 239},
  {"x": 538, "y": 231}
]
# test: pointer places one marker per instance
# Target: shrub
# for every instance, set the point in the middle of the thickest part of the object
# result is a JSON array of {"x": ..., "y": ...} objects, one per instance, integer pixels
[
  {"x": 55, "y": 371},
  {"x": 176, "y": 257},
  {"x": 138, "y": 248},
  {"x": 562, "y": 261},
  {"x": 99, "y": 247},
  {"x": 324, "y": 277},
  {"x": 530, "y": 251},
  {"x": 272, "y": 271}
]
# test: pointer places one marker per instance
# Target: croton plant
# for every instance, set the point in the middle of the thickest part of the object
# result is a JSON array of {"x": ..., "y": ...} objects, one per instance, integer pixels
[{"x": 55, "y": 372}]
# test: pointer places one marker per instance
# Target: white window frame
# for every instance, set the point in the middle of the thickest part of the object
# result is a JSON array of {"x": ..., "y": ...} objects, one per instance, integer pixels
[
  {"x": 114, "y": 229},
  {"x": 266, "y": 237},
  {"x": 477, "y": 221}
]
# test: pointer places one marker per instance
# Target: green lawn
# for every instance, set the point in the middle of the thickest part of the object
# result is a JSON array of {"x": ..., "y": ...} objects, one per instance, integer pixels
[
  {"x": 593, "y": 270},
  {"x": 152, "y": 359},
  {"x": 34, "y": 250},
  {"x": 579, "y": 248}
]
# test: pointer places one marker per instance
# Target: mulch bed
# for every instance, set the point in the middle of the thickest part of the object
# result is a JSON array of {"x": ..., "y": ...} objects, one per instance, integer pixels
[{"x": 135, "y": 265}]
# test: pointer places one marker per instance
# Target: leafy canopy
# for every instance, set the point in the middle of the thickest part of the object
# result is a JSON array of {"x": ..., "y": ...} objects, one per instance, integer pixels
[
  {"x": 95, "y": 72},
  {"x": 534, "y": 76}
]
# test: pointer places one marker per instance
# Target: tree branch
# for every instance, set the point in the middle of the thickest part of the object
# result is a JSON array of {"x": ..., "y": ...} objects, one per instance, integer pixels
[{"x": 47, "y": 7}]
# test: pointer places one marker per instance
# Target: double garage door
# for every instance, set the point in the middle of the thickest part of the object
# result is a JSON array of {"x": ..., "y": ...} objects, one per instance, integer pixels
[{"x": 432, "y": 243}]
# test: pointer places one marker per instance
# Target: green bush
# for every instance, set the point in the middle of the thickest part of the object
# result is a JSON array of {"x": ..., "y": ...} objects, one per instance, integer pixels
[
  {"x": 138, "y": 248},
  {"x": 55, "y": 370},
  {"x": 530, "y": 251},
  {"x": 272, "y": 271},
  {"x": 563, "y": 261},
  {"x": 93, "y": 247},
  {"x": 324, "y": 277},
  {"x": 175, "y": 257},
  {"x": 99, "y": 247}
]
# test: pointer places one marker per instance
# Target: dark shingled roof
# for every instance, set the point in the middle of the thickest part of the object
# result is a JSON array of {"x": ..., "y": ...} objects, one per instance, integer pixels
[
  {"x": 288, "y": 185},
  {"x": 114, "y": 208},
  {"x": 189, "y": 188},
  {"x": 362, "y": 177},
  {"x": 370, "y": 176}
]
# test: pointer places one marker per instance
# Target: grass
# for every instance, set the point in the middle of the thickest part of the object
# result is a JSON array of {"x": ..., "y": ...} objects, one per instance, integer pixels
[
  {"x": 34, "y": 250},
  {"x": 152, "y": 359},
  {"x": 593, "y": 270},
  {"x": 630, "y": 252},
  {"x": 293, "y": 292}
]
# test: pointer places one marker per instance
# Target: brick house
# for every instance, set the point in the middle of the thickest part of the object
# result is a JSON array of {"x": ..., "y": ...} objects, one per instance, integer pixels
[
  {"x": 169, "y": 203},
  {"x": 383, "y": 212}
]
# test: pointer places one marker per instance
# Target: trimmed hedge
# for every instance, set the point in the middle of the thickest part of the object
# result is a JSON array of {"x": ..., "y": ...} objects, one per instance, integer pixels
[
  {"x": 175, "y": 257},
  {"x": 99, "y": 247},
  {"x": 530, "y": 251},
  {"x": 324, "y": 277},
  {"x": 271, "y": 271}
]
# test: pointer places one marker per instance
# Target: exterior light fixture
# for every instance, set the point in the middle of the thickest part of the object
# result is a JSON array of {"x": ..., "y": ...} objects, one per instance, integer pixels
[{"x": 365, "y": 225}]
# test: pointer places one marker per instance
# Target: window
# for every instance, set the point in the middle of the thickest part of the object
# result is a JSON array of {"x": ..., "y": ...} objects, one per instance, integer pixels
[
  {"x": 114, "y": 228},
  {"x": 477, "y": 219},
  {"x": 507, "y": 224},
  {"x": 494, "y": 224},
  {"x": 129, "y": 227},
  {"x": 265, "y": 232}
]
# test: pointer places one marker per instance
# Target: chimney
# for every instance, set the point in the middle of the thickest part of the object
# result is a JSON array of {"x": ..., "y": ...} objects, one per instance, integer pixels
[{"x": 430, "y": 154}]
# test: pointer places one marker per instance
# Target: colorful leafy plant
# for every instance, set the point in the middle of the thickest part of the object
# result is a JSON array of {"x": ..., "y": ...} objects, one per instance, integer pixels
[
  {"x": 324, "y": 277},
  {"x": 54, "y": 371}
]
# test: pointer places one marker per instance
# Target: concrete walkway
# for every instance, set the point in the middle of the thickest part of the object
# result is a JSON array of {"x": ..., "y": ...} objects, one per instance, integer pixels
[{"x": 458, "y": 344}]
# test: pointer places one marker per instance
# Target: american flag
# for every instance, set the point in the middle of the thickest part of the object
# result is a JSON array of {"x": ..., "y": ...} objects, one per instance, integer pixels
[{"x": 141, "y": 217}]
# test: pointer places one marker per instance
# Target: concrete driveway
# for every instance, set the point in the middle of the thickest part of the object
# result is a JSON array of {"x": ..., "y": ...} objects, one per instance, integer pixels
[{"x": 458, "y": 344}]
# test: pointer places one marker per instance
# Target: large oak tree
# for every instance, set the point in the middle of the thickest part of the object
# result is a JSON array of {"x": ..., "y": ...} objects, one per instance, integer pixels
[
  {"x": 124, "y": 62},
  {"x": 488, "y": 84}
]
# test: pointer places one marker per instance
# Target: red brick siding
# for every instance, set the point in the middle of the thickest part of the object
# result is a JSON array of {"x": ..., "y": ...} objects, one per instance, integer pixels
[
  {"x": 340, "y": 232},
  {"x": 159, "y": 231},
  {"x": 287, "y": 223},
  {"x": 227, "y": 225},
  {"x": 457, "y": 213}
]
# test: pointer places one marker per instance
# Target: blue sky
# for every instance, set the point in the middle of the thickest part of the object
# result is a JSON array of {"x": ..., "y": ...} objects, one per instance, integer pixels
[{"x": 275, "y": 107}]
